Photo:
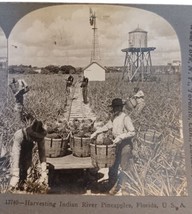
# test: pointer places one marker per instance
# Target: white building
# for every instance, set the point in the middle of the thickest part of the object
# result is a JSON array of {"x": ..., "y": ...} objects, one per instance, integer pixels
[
  {"x": 3, "y": 62},
  {"x": 94, "y": 72}
]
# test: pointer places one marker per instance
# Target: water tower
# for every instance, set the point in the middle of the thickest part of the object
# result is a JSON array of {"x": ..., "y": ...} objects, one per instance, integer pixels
[{"x": 138, "y": 62}]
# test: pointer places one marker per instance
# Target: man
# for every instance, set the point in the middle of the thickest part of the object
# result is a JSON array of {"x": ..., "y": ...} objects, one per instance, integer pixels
[
  {"x": 21, "y": 154},
  {"x": 123, "y": 131},
  {"x": 19, "y": 88},
  {"x": 69, "y": 83},
  {"x": 140, "y": 102},
  {"x": 84, "y": 86}
]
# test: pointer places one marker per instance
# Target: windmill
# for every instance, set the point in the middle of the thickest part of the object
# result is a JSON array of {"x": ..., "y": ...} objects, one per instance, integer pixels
[
  {"x": 92, "y": 18},
  {"x": 95, "y": 44}
]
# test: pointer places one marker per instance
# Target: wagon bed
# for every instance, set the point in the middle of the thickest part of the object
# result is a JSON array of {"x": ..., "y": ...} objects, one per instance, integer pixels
[
  {"x": 75, "y": 109},
  {"x": 70, "y": 162}
]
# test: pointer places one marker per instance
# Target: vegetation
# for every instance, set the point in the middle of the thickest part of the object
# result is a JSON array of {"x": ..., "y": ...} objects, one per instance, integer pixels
[
  {"x": 50, "y": 69},
  {"x": 159, "y": 168}
]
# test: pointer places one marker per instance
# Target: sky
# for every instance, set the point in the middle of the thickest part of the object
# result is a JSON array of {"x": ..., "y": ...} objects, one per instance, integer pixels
[{"x": 62, "y": 35}]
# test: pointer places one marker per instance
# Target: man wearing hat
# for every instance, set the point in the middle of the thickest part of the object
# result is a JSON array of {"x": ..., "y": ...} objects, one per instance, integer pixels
[
  {"x": 21, "y": 154},
  {"x": 84, "y": 86},
  {"x": 69, "y": 84},
  {"x": 123, "y": 130}
]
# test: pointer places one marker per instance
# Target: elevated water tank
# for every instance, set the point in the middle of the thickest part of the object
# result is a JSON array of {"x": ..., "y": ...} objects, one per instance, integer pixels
[{"x": 138, "y": 38}]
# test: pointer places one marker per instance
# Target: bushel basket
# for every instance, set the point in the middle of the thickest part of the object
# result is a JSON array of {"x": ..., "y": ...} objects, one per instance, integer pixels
[
  {"x": 56, "y": 147},
  {"x": 103, "y": 156},
  {"x": 80, "y": 146},
  {"x": 130, "y": 103},
  {"x": 149, "y": 136}
]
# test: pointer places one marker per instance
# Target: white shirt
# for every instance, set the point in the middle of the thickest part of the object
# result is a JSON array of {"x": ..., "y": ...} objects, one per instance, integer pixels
[{"x": 121, "y": 126}]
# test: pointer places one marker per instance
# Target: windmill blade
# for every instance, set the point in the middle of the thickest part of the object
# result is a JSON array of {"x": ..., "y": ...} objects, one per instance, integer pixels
[
  {"x": 91, "y": 16},
  {"x": 91, "y": 20},
  {"x": 90, "y": 11},
  {"x": 15, "y": 46}
]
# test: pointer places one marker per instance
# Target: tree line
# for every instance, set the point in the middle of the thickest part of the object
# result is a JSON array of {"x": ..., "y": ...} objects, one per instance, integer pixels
[{"x": 50, "y": 69}]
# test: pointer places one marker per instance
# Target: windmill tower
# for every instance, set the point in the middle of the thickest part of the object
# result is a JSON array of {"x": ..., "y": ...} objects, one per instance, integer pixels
[
  {"x": 95, "y": 53},
  {"x": 138, "y": 63}
]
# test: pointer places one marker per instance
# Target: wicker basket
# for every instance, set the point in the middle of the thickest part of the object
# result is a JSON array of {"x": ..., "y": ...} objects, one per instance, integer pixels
[
  {"x": 80, "y": 146},
  {"x": 130, "y": 103},
  {"x": 56, "y": 147},
  {"x": 150, "y": 136},
  {"x": 103, "y": 156}
]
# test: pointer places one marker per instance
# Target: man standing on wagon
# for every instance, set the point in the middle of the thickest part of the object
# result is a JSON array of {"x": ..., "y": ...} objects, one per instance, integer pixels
[{"x": 123, "y": 131}]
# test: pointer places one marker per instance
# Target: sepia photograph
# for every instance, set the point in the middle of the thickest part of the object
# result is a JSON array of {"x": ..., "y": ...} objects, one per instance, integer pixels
[
  {"x": 95, "y": 108},
  {"x": 93, "y": 103}
]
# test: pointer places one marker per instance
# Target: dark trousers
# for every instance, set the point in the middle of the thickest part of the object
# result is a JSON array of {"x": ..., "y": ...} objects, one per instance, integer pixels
[
  {"x": 25, "y": 162},
  {"x": 84, "y": 91},
  {"x": 123, "y": 160}
]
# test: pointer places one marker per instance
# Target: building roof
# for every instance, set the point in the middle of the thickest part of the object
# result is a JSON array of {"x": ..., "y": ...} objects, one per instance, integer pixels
[
  {"x": 138, "y": 29},
  {"x": 93, "y": 63}
]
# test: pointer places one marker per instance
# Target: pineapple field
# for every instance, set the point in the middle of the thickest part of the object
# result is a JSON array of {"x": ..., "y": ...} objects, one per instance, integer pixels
[{"x": 158, "y": 167}]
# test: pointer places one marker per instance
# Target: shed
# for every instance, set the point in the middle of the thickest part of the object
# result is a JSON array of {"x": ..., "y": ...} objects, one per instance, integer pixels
[{"x": 94, "y": 72}]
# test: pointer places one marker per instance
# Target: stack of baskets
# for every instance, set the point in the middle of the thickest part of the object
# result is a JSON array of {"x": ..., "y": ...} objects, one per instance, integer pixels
[{"x": 56, "y": 147}]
